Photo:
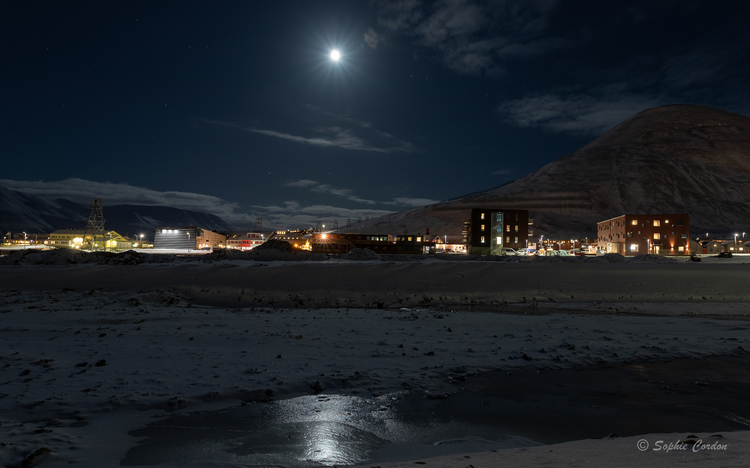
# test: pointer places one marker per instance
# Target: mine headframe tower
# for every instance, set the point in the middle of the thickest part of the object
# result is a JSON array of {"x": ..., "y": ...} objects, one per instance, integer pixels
[{"x": 93, "y": 235}]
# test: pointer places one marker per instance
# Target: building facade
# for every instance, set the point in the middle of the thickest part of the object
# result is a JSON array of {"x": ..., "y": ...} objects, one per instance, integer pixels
[
  {"x": 187, "y": 238},
  {"x": 244, "y": 240},
  {"x": 73, "y": 239},
  {"x": 489, "y": 230},
  {"x": 298, "y": 239},
  {"x": 659, "y": 234},
  {"x": 378, "y": 243}
]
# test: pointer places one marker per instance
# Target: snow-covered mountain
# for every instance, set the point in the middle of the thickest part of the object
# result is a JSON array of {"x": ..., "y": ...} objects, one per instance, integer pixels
[
  {"x": 24, "y": 212},
  {"x": 670, "y": 159}
]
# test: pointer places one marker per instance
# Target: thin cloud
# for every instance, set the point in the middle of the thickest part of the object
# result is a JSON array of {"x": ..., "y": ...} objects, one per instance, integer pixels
[
  {"x": 414, "y": 202},
  {"x": 324, "y": 188},
  {"x": 348, "y": 194},
  {"x": 333, "y": 137},
  {"x": 502, "y": 172},
  {"x": 576, "y": 114},
  {"x": 372, "y": 38},
  {"x": 292, "y": 215}
]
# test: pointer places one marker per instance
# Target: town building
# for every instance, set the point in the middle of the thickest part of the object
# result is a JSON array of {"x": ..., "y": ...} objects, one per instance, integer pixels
[
  {"x": 299, "y": 239},
  {"x": 449, "y": 244},
  {"x": 244, "y": 240},
  {"x": 490, "y": 230},
  {"x": 73, "y": 239},
  {"x": 638, "y": 234},
  {"x": 21, "y": 239},
  {"x": 330, "y": 243},
  {"x": 187, "y": 238}
]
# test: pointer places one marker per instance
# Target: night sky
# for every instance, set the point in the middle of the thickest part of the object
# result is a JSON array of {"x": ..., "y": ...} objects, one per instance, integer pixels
[{"x": 236, "y": 108}]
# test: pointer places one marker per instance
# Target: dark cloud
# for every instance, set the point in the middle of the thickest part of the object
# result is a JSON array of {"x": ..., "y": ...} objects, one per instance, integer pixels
[{"x": 474, "y": 37}]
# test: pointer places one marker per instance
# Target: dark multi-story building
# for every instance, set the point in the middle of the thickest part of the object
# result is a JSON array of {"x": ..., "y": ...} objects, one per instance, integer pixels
[
  {"x": 660, "y": 234},
  {"x": 489, "y": 230}
]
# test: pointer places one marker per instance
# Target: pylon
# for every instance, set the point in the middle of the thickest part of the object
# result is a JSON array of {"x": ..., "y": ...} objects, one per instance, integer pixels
[{"x": 93, "y": 236}]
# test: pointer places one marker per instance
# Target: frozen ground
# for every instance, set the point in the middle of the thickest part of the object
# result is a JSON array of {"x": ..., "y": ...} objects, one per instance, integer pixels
[{"x": 93, "y": 351}]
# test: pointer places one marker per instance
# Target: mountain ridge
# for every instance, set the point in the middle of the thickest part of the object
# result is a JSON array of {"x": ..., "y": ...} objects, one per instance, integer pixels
[
  {"x": 668, "y": 159},
  {"x": 23, "y": 212}
]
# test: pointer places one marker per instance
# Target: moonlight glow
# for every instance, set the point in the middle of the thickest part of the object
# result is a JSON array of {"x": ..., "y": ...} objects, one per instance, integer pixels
[{"x": 335, "y": 55}]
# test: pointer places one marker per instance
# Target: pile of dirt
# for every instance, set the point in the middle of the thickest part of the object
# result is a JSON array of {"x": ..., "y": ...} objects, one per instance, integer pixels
[
  {"x": 652, "y": 259},
  {"x": 275, "y": 244},
  {"x": 76, "y": 257},
  {"x": 614, "y": 258},
  {"x": 361, "y": 254}
]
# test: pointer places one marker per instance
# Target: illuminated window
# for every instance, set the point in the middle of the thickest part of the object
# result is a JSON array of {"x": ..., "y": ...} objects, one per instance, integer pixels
[
  {"x": 482, "y": 227},
  {"x": 634, "y": 222},
  {"x": 634, "y": 247},
  {"x": 516, "y": 241},
  {"x": 657, "y": 235},
  {"x": 682, "y": 249},
  {"x": 481, "y": 239},
  {"x": 507, "y": 240},
  {"x": 481, "y": 216},
  {"x": 516, "y": 228},
  {"x": 656, "y": 222},
  {"x": 419, "y": 239},
  {"x": 666, "y": 221},
  {"x": 499, "y": 241},
  {"x": 507, "y": 228},
  {"x": 409, "y": 238}
]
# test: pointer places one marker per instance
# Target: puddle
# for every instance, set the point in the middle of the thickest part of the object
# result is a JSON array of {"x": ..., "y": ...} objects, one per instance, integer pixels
[{"x": 312, "y": 431}]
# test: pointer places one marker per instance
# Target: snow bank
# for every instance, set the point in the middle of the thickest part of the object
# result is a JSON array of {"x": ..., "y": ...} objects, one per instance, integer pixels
[
  {"x": 361, "y": 254},
  {"x": 74, "y": 256}
]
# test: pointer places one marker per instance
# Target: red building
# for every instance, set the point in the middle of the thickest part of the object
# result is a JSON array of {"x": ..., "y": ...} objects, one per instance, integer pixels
[{"x": 660, "y": 234}]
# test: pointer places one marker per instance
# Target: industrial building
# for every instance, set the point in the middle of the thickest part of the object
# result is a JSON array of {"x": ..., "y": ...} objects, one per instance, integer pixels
[
  {"x": 187, "y": 238},
  {"x": 74, "y": 239}
]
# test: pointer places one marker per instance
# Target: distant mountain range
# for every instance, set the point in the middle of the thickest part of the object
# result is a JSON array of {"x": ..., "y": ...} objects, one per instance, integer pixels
[
  {"x": 23, "y": 212},
  {"x": 670, "y": 159}
]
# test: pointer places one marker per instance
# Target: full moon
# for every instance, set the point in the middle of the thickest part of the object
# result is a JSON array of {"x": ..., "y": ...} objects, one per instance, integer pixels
[{"x": 335, "y": 55}]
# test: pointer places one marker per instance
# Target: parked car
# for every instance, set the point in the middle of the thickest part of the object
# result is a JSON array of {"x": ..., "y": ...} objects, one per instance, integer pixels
[{"x": 508, "y": 251}]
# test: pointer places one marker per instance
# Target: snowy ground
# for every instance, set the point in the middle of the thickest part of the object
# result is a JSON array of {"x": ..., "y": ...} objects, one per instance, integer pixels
[{"x": 90, "y": 352}]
